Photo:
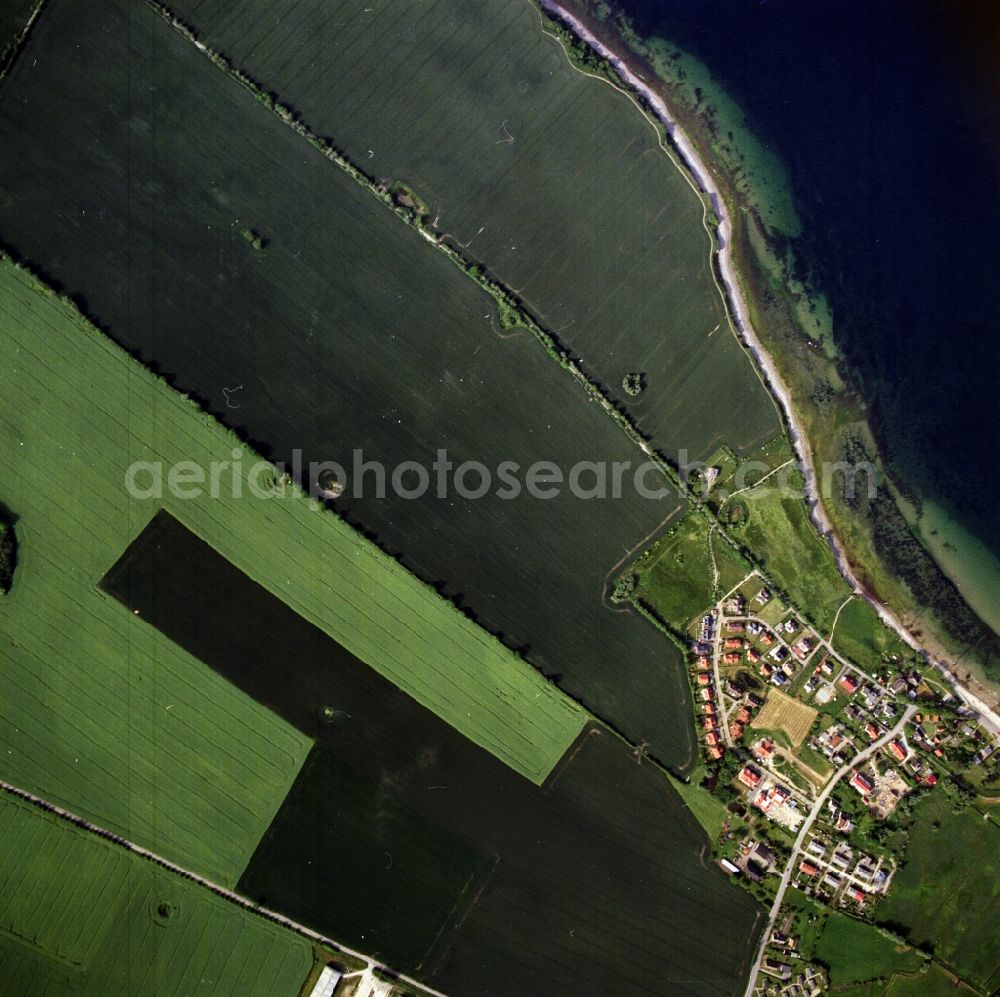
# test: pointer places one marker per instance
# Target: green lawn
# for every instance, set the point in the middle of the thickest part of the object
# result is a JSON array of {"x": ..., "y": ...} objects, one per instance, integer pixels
[
  {"x": 817, "y": 762},
  {"x": 947, "y": 892},
  {"x": 782, "y": 537},
  {"x": 856, "y": 951},
  {"x": 709, "y": 811},
  {"x": 104, "y": 715},
  {"x": 863, "y": 638},
  {"x": 83, "y": 916}
]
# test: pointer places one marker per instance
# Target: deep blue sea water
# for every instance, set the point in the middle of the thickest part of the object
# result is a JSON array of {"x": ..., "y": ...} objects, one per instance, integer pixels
[{"x": 887, "y": 116}]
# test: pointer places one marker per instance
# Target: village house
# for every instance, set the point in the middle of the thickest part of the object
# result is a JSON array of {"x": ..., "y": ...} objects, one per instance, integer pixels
[
  {"x": 849, "y": 684},
  {"x": 764, "y": 748}
]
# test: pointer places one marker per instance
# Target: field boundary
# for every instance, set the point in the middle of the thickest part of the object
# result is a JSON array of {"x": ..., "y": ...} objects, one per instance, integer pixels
[
  {"x": 13, "y": 49},
  {"x": 220, "y": 891}
]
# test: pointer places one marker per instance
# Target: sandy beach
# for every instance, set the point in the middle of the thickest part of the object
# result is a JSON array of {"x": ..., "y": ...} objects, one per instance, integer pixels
[{"x": 740, "y": 312}]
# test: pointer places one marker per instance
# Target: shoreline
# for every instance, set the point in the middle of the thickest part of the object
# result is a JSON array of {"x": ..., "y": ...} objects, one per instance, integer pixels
[{"x": 739, "y": 311}]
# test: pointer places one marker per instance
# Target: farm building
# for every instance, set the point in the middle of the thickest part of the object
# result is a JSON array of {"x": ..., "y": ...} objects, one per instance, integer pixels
[{"x": 327, "y": 982}]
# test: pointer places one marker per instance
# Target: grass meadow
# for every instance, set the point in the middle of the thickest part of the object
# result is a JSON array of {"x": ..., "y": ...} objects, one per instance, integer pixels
[
  {"x": 947, "y": 892},
  {"x": 782, "y": 538},
  {"x": 678, "y": 575},
  {"x": 105, "y": 716},
  {"x": 81, "y": 915},
  {"x": 405, "y": 838},
  {"x": 552, "y": 179},
  {"x": 856, "y": 952},
  {"x": 346, "y": 331},
  {"x": 863, "y": 638}
]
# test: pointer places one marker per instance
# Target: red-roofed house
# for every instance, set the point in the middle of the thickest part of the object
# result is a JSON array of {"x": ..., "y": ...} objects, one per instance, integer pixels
[
  {"x": 931, "y": 780},
  {"x": 808, "y": 868},
  {"x": 861, "y": 783},
  {"x": 715, "y": 752},
  {"x": 731, "y": 659},
  {"x": 871, "y": 730},
  {"x": 764, "y": 749},
  {"x": 857, "y": 895},
  {"x": 733, "y": 644},
  {"x": 703, "y": 678},
  {"x": 898, "y": 751},
  {"x": 750, "y": 777},
  {"x": 849, "y": 684}
]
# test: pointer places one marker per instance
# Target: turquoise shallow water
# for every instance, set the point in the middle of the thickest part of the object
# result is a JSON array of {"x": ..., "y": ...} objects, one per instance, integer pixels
[{"x": 883, "y": 118}]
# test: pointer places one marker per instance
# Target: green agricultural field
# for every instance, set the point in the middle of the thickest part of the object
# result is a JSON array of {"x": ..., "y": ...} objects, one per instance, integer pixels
[
  {"x": 947, "y": 892},
  {"x": 83, "y": 916},
  {"x": 404, "y": 838},
  {"x": 676, "y": 576},
  {"x": 863, "y": 638},
  {"x": 551, "y": 178},
  {"x": 856, "y": 952},
  {"x": 346, "y": 334},
  {"x": 105, "y": 716},
  {"x": 781, "y": 536}
]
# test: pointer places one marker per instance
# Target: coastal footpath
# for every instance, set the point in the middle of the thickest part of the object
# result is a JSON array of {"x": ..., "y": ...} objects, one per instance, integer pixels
[{"x": 739, "y": 311}]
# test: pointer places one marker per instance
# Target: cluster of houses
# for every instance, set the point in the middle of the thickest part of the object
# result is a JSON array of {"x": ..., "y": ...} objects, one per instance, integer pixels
[
  {"x": 770, "y": 797},
  {"x": 711, "y": 718},
  {"x": 755, "y": 861},
  {"x": 809, "y": 981},
  {"x": 836, "y": 873}
]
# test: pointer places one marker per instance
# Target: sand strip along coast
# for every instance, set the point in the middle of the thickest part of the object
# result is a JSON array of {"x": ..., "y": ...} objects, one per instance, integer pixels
[{"x": 740, "y": 313}]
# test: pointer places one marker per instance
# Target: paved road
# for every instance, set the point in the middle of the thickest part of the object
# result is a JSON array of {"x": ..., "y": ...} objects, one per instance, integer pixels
[{"x": 859, "y": 759}]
